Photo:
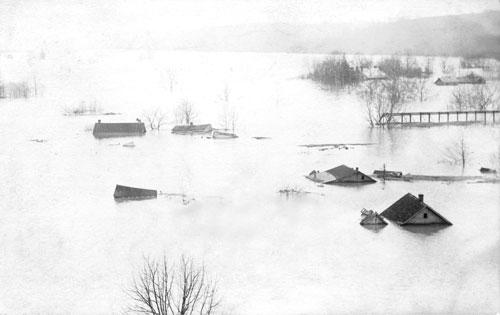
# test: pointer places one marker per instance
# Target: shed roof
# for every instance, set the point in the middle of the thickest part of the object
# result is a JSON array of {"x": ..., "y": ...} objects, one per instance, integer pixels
[{"x": 406, "y": 208}]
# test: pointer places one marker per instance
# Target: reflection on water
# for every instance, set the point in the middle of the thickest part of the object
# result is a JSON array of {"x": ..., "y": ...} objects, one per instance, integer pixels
[
  {"x": 65, "y": 239},
  {"x": 426, "y": 229},
  {"x": 374, "y": 228}
]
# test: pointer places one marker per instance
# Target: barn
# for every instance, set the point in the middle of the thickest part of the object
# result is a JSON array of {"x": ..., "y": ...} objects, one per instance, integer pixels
[
  {"x": 104, "y": 130},
  {"x": 341, "y": 174},
  {"x": 410, "y": 210}
]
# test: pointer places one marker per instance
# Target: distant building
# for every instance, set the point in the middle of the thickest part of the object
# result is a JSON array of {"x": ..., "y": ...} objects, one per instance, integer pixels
[
  {"x": 340, "y": 174},
  {"x": 374, "y": 73},
  {"x": 446, "y": 81},
  {"x": 105, "y": 130},
  {"x": 412, "y": 210},
  {"x": 192, "y": 129},
  {"x": 468, "y": 79}
]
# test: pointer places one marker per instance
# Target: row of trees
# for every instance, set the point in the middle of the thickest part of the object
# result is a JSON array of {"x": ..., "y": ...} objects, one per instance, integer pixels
[
  {"x": 185, "y": 114},
  {"x": 16, "y": 90},
  {"x": 475, "y": 97}
]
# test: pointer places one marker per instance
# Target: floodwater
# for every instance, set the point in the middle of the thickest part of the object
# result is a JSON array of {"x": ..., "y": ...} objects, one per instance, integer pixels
[{"x": 68, "y": 248}]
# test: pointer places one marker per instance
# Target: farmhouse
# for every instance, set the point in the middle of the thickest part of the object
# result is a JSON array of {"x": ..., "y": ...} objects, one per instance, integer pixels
[
  {"x": 192, "y": 129},
  {"x": 412, "y": 210},
  {"x": 104, "y": 130},
  {"x": 340, "y": 175}
]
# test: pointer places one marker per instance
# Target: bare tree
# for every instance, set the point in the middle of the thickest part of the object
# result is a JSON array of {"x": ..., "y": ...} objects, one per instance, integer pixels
[
  {"x": 383, "y": 98},
  {"x": 164, "y": 289},
  {"x": 185, "y": 112},
  {"x": 422, "y": 88},
  {"x": 458, "y": 152},
  {"x": 445, "y": 66},
  {"x": 155, "y": 119},
  {"x": 475, "y": 97}
]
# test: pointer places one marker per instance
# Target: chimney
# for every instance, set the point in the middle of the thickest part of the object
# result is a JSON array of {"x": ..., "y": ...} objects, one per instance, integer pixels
[
  {"x": 99, "y": 121},
  {"x": 421, "y": 197},
  {"x": 191, "y": 123},
  {"x": 356, "y": 169}
]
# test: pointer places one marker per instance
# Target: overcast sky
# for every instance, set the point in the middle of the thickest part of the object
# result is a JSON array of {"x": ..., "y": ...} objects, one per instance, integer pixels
[{"x": 28, "y": 23}]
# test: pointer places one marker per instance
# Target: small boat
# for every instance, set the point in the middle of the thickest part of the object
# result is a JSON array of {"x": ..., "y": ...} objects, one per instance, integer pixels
[
  {"x": 129, "y": 144},
  {"x": 223, "y": 135},
  {"x": 133, "y": 192},
  {"x": 486, "y": 170}
]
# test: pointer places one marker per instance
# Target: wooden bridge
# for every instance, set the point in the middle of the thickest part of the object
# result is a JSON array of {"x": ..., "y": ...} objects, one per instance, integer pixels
[{"x": 448, "y": 117}]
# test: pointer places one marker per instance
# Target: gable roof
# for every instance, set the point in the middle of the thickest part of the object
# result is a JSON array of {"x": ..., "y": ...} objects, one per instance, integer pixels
[
  {"x": 341, "y": 171},
  {"x": 372, "y": 219},
  {"x": 406, "y": 208},
  {"x": 192, "y": 128},
  {"x": 448, "y": 80},
  {"x": 136, "y": 127}
]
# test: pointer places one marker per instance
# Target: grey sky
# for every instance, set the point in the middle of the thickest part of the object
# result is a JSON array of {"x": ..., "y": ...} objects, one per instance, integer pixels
[{"x": 84, "y": 23}]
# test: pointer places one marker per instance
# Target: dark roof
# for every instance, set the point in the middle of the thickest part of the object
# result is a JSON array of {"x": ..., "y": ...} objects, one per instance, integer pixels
[
  {"x": 405, "y": 208},
  {"x": 341, "y": 171},
  {"x": 136, "y": 127},
  {"x": 192, "y": 128}
]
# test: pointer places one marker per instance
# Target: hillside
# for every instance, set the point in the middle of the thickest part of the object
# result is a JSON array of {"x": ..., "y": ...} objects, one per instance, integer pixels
[{"x": 468, "y": 34}]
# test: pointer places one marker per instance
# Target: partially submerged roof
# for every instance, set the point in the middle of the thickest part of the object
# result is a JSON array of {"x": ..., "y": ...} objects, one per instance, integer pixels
[
  {"x": 447, "y": 80},
  {"x": 340, "y": 174},
  {"x": 403, "y": 210},
  {"x": 372, "y": 218},
  {"x": 119, "y": 128},
  {"x": 192, "y": 128}
]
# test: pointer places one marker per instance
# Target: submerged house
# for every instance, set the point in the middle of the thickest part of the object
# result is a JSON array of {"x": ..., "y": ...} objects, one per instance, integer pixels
[
  {"x": 105, "y": 130},
  {"x": 370, "y": 217},
  {"x": 340, "y": 175},
  {"x": 192, "y": 129},
  {"x": 412, "y": 210}
]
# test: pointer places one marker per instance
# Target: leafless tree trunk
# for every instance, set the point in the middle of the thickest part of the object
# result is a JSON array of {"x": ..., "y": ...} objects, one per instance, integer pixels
[
  {"x": 164, "y": 289},
  {"x": 422, "y": 88},
  {"x": 185, "y": 113},
  {"x": 155, "y": 119},
  {"x": 383, "y": 98},
  {"x": 458, "y": 152},
  {"x": 229, "y": 116}
]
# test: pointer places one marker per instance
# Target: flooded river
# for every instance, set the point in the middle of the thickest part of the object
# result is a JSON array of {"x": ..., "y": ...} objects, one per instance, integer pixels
[{"x": 67, "y": 247}]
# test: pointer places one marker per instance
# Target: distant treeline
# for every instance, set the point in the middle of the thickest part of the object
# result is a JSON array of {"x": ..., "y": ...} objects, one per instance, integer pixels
[
  {"x": 338, "y": 72},
  {"x": 15, "y": 90}
]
